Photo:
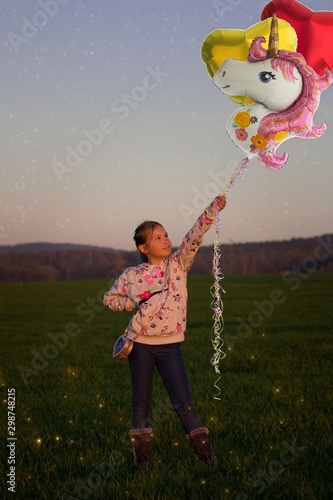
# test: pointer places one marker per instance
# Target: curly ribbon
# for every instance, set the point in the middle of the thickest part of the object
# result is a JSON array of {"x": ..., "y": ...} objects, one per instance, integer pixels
[{"x": 216, "y": 288}]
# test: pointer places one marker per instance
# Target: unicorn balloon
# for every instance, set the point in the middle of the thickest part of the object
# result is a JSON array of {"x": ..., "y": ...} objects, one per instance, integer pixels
[
  {"x": 280, "y": 94},
  {"x": 286, "y": 94}
]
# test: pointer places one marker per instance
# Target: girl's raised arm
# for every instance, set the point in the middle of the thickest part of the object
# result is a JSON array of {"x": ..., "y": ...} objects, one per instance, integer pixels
[{"x": 193, "y": 239}]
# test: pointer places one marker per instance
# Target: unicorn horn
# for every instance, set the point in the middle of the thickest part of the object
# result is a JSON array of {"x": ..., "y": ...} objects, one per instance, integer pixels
[{"x": 273, "y": 44}]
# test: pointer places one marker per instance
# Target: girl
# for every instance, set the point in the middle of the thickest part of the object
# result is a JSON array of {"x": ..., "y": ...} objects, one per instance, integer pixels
[{"x": 156, "y": 288}]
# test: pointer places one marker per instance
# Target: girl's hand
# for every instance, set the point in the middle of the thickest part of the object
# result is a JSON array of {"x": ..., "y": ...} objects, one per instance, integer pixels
[{"x": 219, "y": 202}]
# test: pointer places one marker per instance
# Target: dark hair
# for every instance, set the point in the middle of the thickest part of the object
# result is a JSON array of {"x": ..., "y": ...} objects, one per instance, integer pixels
[{"x": 143, "y": 234}]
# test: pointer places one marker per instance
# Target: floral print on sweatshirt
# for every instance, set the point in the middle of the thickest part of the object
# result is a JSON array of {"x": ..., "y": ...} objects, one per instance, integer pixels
[{"x": 159, "y": 292}]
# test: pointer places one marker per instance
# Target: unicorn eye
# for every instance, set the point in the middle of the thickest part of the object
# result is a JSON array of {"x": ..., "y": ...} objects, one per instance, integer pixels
[{"x": 266, "y": 76}]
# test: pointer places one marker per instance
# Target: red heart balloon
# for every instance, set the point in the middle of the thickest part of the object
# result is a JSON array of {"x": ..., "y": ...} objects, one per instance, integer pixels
[{"x": 314, "y": 31}]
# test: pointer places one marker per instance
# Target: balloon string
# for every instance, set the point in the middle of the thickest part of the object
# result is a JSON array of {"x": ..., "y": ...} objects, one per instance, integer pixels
[{"x": 216, "y": 288}]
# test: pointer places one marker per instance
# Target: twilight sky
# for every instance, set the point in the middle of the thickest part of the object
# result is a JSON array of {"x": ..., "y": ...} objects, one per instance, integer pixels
[{"x": 108, "y": 117}]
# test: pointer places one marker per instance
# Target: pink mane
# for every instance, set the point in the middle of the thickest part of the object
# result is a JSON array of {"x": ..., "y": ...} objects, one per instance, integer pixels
[{"x": 297, "y": 120}]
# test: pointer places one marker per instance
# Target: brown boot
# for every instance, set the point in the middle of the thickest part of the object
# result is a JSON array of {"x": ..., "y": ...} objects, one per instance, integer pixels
[
  {"x": 202, "y": 446},
  {"x": 141, "y": 440}
]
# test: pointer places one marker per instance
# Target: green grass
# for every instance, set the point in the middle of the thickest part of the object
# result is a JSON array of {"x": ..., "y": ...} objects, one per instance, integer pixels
[{"x": 272, "y": 429}]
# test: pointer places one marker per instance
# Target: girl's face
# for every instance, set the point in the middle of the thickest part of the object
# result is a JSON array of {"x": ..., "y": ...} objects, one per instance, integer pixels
[{"x": 158, "y": 246}]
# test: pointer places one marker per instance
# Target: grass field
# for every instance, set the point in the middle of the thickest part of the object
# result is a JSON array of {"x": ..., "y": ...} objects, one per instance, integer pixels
[{"x": 272, "y": 429}]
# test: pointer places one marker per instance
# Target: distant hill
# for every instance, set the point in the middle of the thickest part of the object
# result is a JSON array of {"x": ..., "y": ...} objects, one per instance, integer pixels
[
  {"x": 48, "y": 247},
  {"x": 54, "y": 261}
]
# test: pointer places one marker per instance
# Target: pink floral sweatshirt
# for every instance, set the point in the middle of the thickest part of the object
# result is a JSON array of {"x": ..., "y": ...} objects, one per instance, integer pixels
[{"x": 159, "y": 291}]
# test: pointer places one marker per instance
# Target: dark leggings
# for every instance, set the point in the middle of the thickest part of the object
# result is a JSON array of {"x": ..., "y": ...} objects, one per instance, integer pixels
[{"x": 169, "y": 361}]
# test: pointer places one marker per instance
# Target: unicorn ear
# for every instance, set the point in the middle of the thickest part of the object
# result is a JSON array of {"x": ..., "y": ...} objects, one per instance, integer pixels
[{"x": 273, "y": 44}]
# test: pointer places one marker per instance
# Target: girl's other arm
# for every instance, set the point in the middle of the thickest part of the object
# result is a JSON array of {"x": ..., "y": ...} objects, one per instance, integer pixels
[{"x": 116, "y": 298}]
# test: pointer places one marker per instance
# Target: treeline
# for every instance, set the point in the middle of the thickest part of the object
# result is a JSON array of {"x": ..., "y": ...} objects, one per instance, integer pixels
[{"x": 298, "y": 255}]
